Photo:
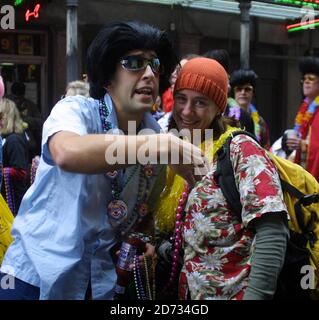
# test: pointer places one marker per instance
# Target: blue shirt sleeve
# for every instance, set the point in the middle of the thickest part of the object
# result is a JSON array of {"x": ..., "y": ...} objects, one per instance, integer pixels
[{"x": 67, "y": 115}]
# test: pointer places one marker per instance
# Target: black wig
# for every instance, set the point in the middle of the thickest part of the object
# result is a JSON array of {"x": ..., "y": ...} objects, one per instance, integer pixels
[
  {"x": 117, "y": 39},
  {"x": 309, "y": 65},
  {"x": 242, "y": 76}
]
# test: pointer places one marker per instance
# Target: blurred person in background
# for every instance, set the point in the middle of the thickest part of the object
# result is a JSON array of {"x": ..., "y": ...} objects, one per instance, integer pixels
[
  {"x": 232, "y": 110},
  {"x": 243, "y": 87},
  {"x": 15, "y": 155},
  {"x": 6, "y": 217},
  {"x": 303, "y": 139},
  {"x": 30, "y": 115},
  {"x": 77, "y": 87}
]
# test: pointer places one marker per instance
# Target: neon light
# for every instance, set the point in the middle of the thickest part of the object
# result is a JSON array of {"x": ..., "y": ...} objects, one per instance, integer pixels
[
  {"x": 17, "y": 2},
  {"x": 34, "y": 13},
  {"x": 298, "y": 3},
  {"x": 302, "y": 24},
  {"x": 308, "y": 26}
]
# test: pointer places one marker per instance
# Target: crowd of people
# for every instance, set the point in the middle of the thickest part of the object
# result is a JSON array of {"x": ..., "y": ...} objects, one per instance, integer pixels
[{"x": 98, "y": 182}]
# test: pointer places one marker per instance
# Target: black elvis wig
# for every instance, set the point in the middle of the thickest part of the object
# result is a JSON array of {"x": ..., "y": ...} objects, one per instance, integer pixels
[
  {"x": 242, "y": 76},
  {"x": 309, "y": 65},
  {"x": 118, "y": 38}
]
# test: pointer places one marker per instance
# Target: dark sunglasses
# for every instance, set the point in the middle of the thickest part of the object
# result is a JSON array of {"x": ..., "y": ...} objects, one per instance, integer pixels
[{"x": 137, "y": 63}]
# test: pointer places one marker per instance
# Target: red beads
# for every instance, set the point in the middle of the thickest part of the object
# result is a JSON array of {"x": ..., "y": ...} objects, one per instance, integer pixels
[{"x": 178, "y": 238}]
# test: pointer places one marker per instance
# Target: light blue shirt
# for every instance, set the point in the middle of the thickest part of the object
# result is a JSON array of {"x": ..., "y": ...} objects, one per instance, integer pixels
[{"x": 62, "y": 233}]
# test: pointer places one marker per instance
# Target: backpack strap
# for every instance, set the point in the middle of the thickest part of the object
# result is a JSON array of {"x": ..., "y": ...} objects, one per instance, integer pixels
[
  {"x": 224, "y": 174},
  {"x": 294, "y": 192},
  {"x": 303, "y": 200}
]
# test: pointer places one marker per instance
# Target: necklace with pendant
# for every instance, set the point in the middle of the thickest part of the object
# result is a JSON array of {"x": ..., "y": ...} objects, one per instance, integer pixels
[{"x": 117, "y": 209}]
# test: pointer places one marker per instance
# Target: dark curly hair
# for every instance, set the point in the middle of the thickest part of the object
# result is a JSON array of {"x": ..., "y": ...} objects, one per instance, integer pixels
[
  {"x": 221, "y": 56},
  {"x": 309, "y": 65},
  {"x": 117, "y": 39},
  {"x": 242, "y": 76}
]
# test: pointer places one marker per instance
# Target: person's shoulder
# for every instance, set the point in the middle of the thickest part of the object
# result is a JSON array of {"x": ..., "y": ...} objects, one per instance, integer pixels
[
  {"x": 316, "y": 115},
  {"x": 75, "y": 111},
  {"x": 76, "y": 103},
  {"x": 15, "y": 138},
  {"x": 82, "y": 100},
  {"x": 243, "y": 138},
  {"x": 262, "y": 121}
]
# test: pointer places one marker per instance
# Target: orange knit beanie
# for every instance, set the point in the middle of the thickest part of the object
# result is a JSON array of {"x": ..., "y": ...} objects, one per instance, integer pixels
[{"x": 205, "y": 76}]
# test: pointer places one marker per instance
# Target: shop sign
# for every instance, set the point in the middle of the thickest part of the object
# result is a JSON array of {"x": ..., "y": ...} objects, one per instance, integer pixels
[{"x": 7, "y": 17}]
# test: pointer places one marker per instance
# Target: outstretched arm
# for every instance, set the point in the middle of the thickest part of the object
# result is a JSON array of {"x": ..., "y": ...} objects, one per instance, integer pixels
[{"x": 99, "y": 153}]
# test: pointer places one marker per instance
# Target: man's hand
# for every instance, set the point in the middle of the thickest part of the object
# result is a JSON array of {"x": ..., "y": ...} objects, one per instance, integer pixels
[{"x": 191, "y": 164}]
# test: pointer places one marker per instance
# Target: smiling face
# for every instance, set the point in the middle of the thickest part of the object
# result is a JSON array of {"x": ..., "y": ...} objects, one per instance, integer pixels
[
  {"x": 193, "y": 110},
  {"x": 134, "y": 91}
]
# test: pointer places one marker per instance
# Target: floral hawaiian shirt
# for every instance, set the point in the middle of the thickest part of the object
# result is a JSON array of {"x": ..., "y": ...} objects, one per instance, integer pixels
[{"x": 218, "y": 247}]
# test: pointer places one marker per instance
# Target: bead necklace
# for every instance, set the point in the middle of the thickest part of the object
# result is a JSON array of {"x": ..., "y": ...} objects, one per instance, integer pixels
[
  {"x": 178, "y": 236},
  {"x": 135, "y": 278},
  {"x": 141, "y": 206},
  {"x": 154, "y": 282},
  {"x": 148, "y": 287},
  {"x": 34, "y": 167},
  {"x": 104, "y": 113},
  {"x": 9, "y": 190},
  {"x": 138, "y": 280},
  {"x": 117, "y": 209}
]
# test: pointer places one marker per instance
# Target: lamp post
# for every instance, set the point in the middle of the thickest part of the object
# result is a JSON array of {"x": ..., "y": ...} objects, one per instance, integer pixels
[
  {"x": 244, "y": 6},
  {"x": 71, "y": 40}
]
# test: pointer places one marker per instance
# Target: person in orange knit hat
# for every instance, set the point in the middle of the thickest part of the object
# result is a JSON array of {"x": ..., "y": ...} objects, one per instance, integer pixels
[
  {"x": 167, "y": 96},
  {"x": 220, "y": 260}
]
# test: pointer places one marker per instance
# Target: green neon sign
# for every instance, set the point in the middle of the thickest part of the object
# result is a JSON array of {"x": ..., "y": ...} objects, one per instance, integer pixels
[
  {"x": 296, "y": 3},
  {"x": 18, "y": 2},
  {"x": 308, "y": 26}
]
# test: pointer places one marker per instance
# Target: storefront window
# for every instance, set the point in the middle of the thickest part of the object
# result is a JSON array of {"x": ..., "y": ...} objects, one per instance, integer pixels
[
  {"x": 22, "y": 44},
  {"x": 29, "y": 74}
]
